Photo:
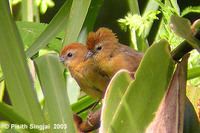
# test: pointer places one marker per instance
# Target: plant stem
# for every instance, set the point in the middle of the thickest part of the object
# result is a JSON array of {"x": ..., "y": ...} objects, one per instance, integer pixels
[{"x": 183, "y": 48}]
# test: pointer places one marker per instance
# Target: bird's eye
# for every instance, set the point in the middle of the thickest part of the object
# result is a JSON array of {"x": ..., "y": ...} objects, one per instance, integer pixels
[
  {"x": 69, "y": 54},
  {"x": 99, "y": 47}
]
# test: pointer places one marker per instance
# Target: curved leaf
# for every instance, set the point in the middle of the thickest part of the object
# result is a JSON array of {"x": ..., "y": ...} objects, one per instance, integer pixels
[
  {"x": 114, "y": 93},
  {"x": 141, "y": 100},
  {"x": 77, "y": 16},
  {"x": 13, "y": 117},
  {"x": 53, "y": 84},
  {"x": 57, "y": 24},
  {"x": 15, "y": 69}
]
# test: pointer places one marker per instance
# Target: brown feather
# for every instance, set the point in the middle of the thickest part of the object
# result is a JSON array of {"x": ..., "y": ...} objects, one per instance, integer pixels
[
  {"x": 71, "y": 46},
  {"x": 86, "y": 73},
  {"x": 112, "y": 56},
  {"x": 100, "y": 35}
]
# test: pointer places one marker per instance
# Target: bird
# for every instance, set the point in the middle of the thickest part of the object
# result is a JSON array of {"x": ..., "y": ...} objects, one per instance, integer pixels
[
  {"x": 86, "y": 73},
  {"x": 110, "y": 55}
]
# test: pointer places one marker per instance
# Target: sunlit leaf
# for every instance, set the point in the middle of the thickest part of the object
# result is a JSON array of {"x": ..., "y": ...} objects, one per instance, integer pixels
[
  {"x": 77, "y": 16},
  {"x": 15, "y": 69},
  {"x": 14, "y": 118},
  {"x": 115, "y": 92},
  {"x": 141, "y": 100},
  {"x": 57, "y": 24},
  {"x": 30, "y": 31},
  {"x": 170, "y": 114},
  {"x": 53, "y": 84}
]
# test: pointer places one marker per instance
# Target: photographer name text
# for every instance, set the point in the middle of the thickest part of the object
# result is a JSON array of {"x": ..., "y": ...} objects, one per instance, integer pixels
[{"x": 35, "y": 126}]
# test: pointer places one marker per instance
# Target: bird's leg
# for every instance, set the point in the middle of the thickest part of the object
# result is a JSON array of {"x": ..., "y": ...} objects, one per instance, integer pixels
[
  {"x": 92, "y": 122},
  {"x": 93, "y": 107}
]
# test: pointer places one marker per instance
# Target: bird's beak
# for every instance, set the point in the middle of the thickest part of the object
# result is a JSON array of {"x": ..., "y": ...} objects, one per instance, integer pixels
[
  {"x": 89, "y": 55},
  {"x": 62, "y": 59}
]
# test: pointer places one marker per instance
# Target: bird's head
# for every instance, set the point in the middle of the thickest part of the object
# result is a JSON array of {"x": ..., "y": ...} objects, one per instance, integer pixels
[
  {"x": 98, "y": 41},
  {"x": 73, "y": 53}
]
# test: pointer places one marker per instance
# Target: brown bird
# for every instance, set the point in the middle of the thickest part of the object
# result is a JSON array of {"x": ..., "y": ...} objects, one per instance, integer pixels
[
  {"x": 86, "y": 73},
  {"x": 109, "y": 54}
]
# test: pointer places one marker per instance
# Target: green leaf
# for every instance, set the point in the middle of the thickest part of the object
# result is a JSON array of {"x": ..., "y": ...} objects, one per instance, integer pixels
[
  {"x": 166, "y": 9},
  {"x": 190, "y": 9},
  {"x": 77, "y": 16},
  {"x": 150, "y": 7},
  {"x": 57, "y": 24},
  {"x": 53, "y": 84},
  {"x": 196, "y": 25},
  {"x": 142, "y": 98},
  {"x": 30, "y": 31},
  {"x": 27, "y": 8},
  {"x": 175, "y": 6},
  {"x": 82, "y": 104},
  {"x": 14, "y": 118},
  {"x": 2, "y": 89},
  {"x": 15, "y": 69},
  {"x": 170, "y": 114},
  {"x": 193, "y": 94},
  {"x": 193, "y": 73},
  {"x": 90, "y": 20},
  {"x": 134, "y": 6},
  {"x": 114, "y": 93},
  {"x": 44, "y": 4},
  {"x": 191, "y": 122},
  {"x": 141, "y": 24},
  {"x": 73, "y": 89},
  {"x": 181, "y": 26}
]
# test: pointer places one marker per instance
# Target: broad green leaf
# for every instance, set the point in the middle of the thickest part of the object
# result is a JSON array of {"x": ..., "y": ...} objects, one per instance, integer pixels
[
  {"x": 141, "y": 100},
  {"x": 76, "y": 19},
  {"x": 114, "y": 93},
  {"x": 14, "y": 118},
  {"x": 170, "y": 114},
  {"x": 57, "y": 24},
  {"x": 181, "y": 26},
  {"x": 15, "y": 69},
  {"x": 53, "y": 84}
]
